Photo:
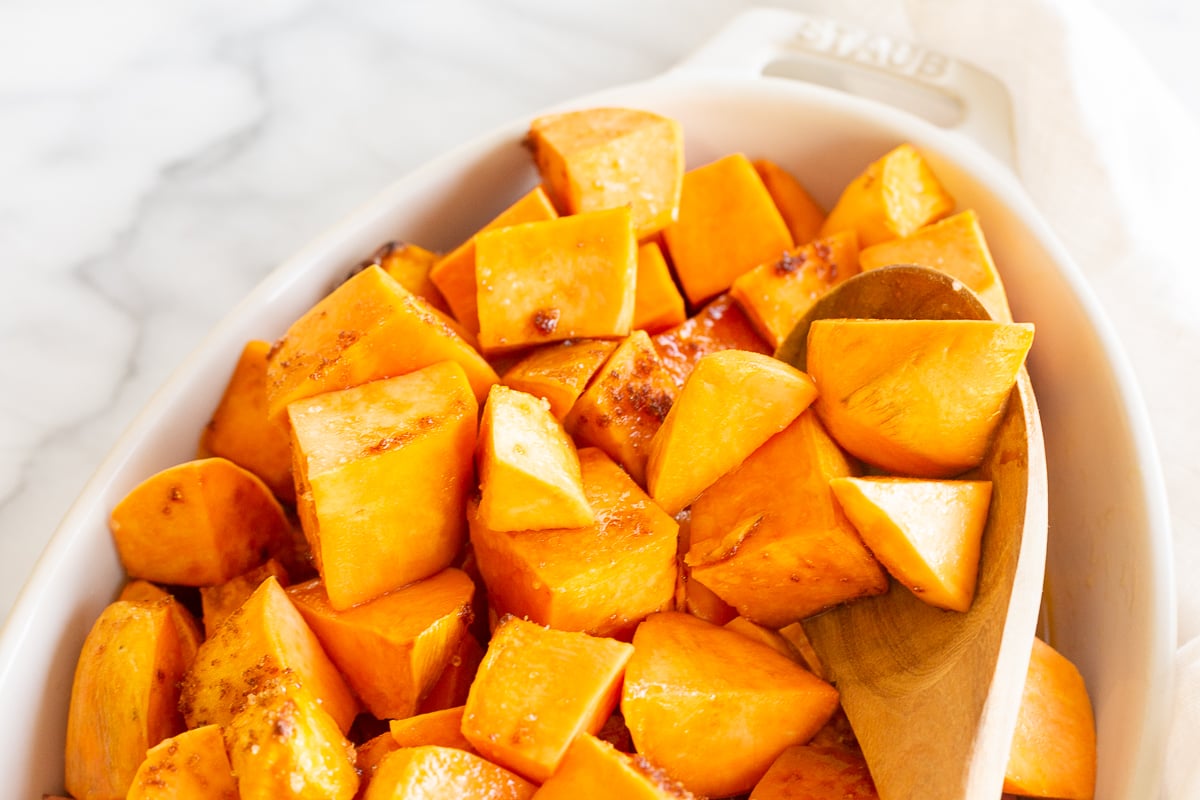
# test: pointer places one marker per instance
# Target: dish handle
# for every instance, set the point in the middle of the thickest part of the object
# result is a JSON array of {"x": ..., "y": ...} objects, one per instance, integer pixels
[{"x": 777, "y": 43}]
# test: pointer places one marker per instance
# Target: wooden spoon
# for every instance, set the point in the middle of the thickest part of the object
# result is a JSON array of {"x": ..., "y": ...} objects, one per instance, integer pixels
[{"x": 933, "y": 695}]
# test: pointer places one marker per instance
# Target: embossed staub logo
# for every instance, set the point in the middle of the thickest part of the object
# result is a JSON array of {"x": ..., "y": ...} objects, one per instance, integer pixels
[{"x": 854, "y": 45}]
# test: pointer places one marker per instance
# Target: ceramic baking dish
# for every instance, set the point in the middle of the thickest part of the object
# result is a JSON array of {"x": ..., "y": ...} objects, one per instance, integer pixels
[{"x": 1109, "y": 593}]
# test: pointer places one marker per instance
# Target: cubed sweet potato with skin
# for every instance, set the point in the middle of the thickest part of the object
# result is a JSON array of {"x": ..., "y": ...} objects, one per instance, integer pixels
[
  {"x": 190, "y": 766},
  {"x": 713, "y": 708},
  {"x": 727, "y": 224},
  {"x": 185, "y": 623},
  {"x": 453, "y": 685},
  {"x": 432, "y": 773},
  {"x": 602, "y": 578},
  {"x": 392, "y": 649},
  {"x": 441, "y": 728},
  {"x": 241, "y": 430},
  {"x": 410, "y": 265},
  {"x": 383, "y": 471},
  {"x": 567, "y": 278},
  {"x": 197, "y": 524},
  {"x": 625, "y": 405},
  {"x": 770, "y": 539},
  {"x": 805, "y": 772},
  {"x": 720, "y": 325},
  {"x": 800, "y": 212},
  {"x": 595, "y": 770},
  {"x": 657, "y": 304},
  {"x": 124, "y": 699},
  {"x": 559, "y": 372},
  {"x": 537, "y": 689},
  {"x": 600, "y": 158},
  {"x": 218, "y": 602}
]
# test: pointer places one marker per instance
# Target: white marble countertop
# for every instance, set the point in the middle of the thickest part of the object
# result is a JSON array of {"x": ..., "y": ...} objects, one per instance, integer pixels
[{"x": 157, "y": 159}]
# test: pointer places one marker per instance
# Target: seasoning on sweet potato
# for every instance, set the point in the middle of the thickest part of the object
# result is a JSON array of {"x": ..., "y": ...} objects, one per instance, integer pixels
[
  {"x": 410, "y": 266},
  {"x": 925, "y": 533},
  {"x": 602, "y": 578},
  {"x": 189, "y": 632},
  {"x": 529, "y": 475},
  {"x": 1054, "y": 747},
  {"x": 431, "y": 772},
  {"x": 777, "y": 294},
  {"x": 720, "y": 325},
  {"x": 190, "y": 766},
  {"x": 892, "y": 197},
  {"x": 390, "y": 650},
  {"x": 595, "y": 770},
  {"x": 565, "y": 278},
  {"x": 265, "y": 641},
  {"x": 382, "y": 474},
  {"x": 124, "y": 699},
  {"x": 797, "y": 207},
  {"x": 769, "y": 538},
  {"x": 241, "y": 431},
  {"x": 559, "y": 372},
  {"x": 713, "y": 708},
  {"x": 600, "y": 158},
  {"x": 731, "y": 403},
  {"x": 454, "y": 275},
  {"x": 453, "y": 685},
  {"x": 657, "y": 303},
  {"x": 197, "y": 523},
  {"x": 771, "y": 638},
  {"x": 368, "y": 328},
  {"x": 727, "y": 224},
  {"x": 218, "y": 602},
  {"x": 442, "y": 728},
  {"x": 538, "y": 689},
  {"x": 625, "y": 404},
  {"x": 805, "y": 772},
  {"x": 915, "y": 397}
]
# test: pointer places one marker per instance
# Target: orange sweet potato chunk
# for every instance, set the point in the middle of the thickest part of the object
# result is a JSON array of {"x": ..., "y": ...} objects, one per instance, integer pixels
[
  {"x": 187, "y": 629},
  {"x": 771, "y": 638},
  {"x": 197, "y": 523},
  {"x": 566, "y": 278},
  {"x": 720, "y": 325},
  {"x": 732, "y": 402},
  {"x": 410, "y": 266},
  {"x": 218, "y": 602},
  {"x": 892, "y": 197},
  {"x": 454, "y": 274},
  {"x": 528, "y": 467},
  {"x": 627, "y": 401},
  {"x": 383, "y": 471},
  {"x": 369, "y": 755},
  {"x": 806, "y": 772},
  {"x": 713, "y": 708},
  {"x": 595, "y": 770},
  {"x": 727, "y": 224},
  {"x": 1054, "y": 747},
  {"x": 702, "y": 602},
  {"x": 657, "y": 302},
  {"x": 124, "y": 699},
  {"x": 538, "y": 689},
  {"x": 454, "y": 683},
  {"x": 559, "y": 372},
  {"x": 241, "y": 431},
  {"x": 392, "y": 649},
  {"x": 441, "y": 728},
  {"x": 190, "y": 766},
  {"x": 800, "y": 211},
  {"x": 602, "y": 578},
  {"x": 370, "y": 327},
  {"x": 915, "y": 397},
  {"x": 431, "y": 772},
  {"x": 770, "y": 539},
  {"x": 777, "y": 294}
]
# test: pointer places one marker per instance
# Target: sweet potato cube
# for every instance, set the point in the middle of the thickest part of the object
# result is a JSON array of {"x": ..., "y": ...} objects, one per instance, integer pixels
[
  {"x": 713, "y": 708},
  {"x": 1054, "y": 747},
  {"x": 919, "y": 398},
  {"x": 538, "y": 689},
  {"x": 442, "y": 728},
  {"x": 190, "y": 766},
  {"x": 657, "y": 302},
  {"x": 799, "y": 210},
  {"x": 702, "y": 602},
  {"x": 770, "y": 539},
  {"x": 777, "y": 294},
  {"x": 368, "y": 328},
  {"x": 602, "y": 578},
  {"x": 528, "y": 466},
  {"x": 954, "y": 245},
  {"x": 771, "y": 638},
  {"x": 410, "y": 266},
  {"x": 925, "y": 533},
  {"x": 454, "y": 274},
  {"x": 720, "y": 325},
  {"x": 284, "y": 745},
  {"x": 189, "y": 632},
  {"x": 595, "y": 770},
  {"x": 602, "y": 158},
  {"x": 453, "y": 685},
  {"x": 559, "y": 372},
  {"x": 124, "y": 699},
  {"x": 727, "y": 224},
  {"x": 264, "y": 642},
  {"x": 806, "y": 772},
  {"x": 892, "y": 197},
  {"x": 432, "y": 773},
  {"x": 390, "y": 650},
  {"x": 731, "y": 403},
  {"x": 218, "y": 602},
  {"x": 382, "y": 475},
  {"x": 368, "y": 756},
  {"x": 627, "y": 401},
  {"x": 564, "y": 278},
  {"x": 241, "y": 430},
  {"x": 803, "y": 646}
]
